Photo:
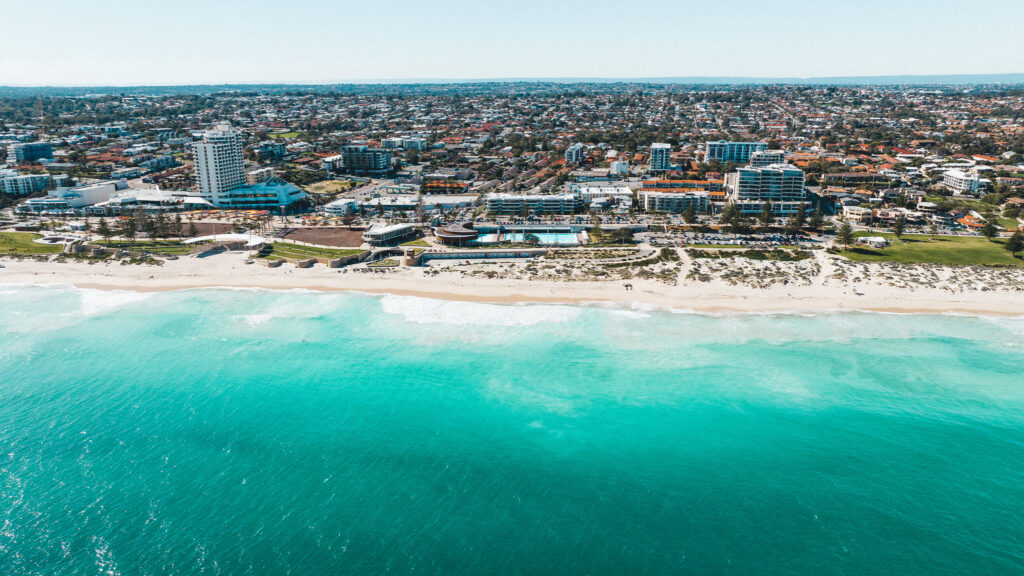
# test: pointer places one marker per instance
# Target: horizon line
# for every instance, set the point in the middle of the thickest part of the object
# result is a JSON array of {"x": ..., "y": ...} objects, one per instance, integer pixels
[{"x": 955, "y": 78}]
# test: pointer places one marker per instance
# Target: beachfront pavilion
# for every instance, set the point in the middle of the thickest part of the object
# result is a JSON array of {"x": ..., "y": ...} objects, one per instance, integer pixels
[{"x": 456, "y": 234}]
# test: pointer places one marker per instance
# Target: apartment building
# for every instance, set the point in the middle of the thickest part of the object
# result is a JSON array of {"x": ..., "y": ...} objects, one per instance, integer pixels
[
  {"x": 159, "y": 163},
  {"x": 661, "y": 157},
  {"x": 574, "y": 154},
  {"x": 654, "y": 201},
  {"x": 14, "y": 184},
  {"x": 763, "y": 158},
  {"x": 365, "y": 161},
  {"x": 269, "y": 151},
  {"x": 961, "y": 182},
  {"x": 735, "y": 152},
  {"x": 781, "y": 184},
  {"x": 515, "y": 204},
  {"x": 25, "y": 152}
]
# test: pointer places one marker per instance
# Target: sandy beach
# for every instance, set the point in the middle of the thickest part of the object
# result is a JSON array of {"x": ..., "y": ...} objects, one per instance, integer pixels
[{"x": 872, "y": 287}]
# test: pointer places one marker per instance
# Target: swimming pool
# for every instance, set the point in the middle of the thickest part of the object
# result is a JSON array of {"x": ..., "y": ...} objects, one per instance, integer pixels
[{"x": 546, "y": 238}]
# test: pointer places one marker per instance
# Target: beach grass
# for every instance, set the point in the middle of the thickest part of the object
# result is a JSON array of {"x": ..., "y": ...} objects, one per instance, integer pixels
[
  {"x": 944, "y": 250},
  {"x": 22, "y": 243}
]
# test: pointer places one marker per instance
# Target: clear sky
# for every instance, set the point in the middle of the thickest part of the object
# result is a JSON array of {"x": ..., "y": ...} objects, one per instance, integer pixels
[{"x": 126, "y": 42}]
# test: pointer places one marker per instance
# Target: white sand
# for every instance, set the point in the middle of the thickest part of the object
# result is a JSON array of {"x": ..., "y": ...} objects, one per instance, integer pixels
[{"x": 823, "y": 293}]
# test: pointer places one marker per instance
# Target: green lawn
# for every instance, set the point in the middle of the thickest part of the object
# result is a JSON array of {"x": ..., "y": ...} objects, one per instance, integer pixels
[
  {"x": 284, "y": 135},
  {"x": 386, "y": 263},
  {"x": 417, "y": 242},
  {"x": 153, "y": 246},
  {"x": 946, "y": 250},
  {"x": 1008, "y": 223},
  {"x": 22, "y": 243},
  {"x": 285, "y": 250}
]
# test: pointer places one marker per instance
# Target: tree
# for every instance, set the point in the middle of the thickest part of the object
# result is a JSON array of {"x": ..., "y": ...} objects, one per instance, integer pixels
[
  {"x": 933, "y": 228},
  {"x": 796, "y": 221},
  {"x": 143, "y": 223},
  {"x": 690, "y": 215},
  {"x": 730, "y": 216},
  {"x": 531, "y": 239},
  {"x": 817, "y": 219},
  {"x": 989, "y": 230},
  {"x": 767, "y": 216},
  {"x": 160, "y": 225},
  {"x": 192, "y": 230},
  {"x": 103, "y": 229},
  {"x": 898, "y": 225},
  {"x": 177, "y": 226},
  {"x": 129, "y": 229},
  {"x": 845, "y": 234},
  {"x": 1015, "y": 243}
]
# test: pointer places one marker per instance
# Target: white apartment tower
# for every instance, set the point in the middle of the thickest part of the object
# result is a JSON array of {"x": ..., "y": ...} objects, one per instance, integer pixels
[
  {"x": 764, "y": 158},
  {"x": 780, "y": 184},
  {"x": 219, "y": 163},
  {"x": 661, "y": 157}
]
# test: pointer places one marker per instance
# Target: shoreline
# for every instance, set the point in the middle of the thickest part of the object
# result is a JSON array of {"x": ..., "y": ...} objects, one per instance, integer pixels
[{"x": 699, "y": 298}]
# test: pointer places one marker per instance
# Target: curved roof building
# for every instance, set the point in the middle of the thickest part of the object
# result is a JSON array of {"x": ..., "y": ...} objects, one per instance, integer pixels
[{"x": 456, "y": 234}]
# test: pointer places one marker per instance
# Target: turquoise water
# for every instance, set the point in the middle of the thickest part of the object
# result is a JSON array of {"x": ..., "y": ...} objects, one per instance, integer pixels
[{"x": 250, "y": 432}]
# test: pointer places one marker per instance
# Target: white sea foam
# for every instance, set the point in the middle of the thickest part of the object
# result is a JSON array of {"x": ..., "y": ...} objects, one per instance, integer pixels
[
  {"x": 427, "y": 311},
  {"x": 93, "y": 302},
  {"x": 255, "y": 320}
]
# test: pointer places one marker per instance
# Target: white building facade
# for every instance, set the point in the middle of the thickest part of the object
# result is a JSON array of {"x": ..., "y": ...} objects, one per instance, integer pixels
[
  {"x": 736, "y": 152},
  {"x": 780, "y": 184},
  {"x": 219, "y": 163}
]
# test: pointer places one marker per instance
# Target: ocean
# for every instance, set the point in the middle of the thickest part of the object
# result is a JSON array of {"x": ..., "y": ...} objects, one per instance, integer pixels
[{"x": 258, "y": 432}]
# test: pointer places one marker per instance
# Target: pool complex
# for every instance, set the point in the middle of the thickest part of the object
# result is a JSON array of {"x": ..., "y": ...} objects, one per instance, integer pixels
[{"x": 544, "y": 238}]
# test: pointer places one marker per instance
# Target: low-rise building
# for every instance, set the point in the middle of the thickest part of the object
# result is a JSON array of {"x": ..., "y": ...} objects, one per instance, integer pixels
[
  {"x": 158, "y": 163},
  {"x": 858, "y": 214},
  {"x": 388, "y": 235},
  {"x": 259, "y": 175},
  {"x": 67, "y": 200},
  {"x": 590, "y": 192},
  {"x": 513, "y": 204},
  {"x": 129, "y": 172}
]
